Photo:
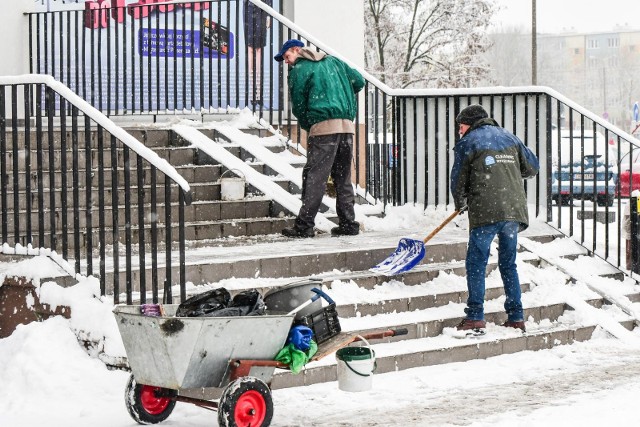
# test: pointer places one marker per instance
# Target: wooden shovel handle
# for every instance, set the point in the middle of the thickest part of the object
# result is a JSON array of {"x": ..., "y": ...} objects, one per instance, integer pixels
[{"x": 445, "y": 222}]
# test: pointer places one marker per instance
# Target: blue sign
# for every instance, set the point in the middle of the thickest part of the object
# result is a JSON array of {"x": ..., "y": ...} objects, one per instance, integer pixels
[
  {"x": 180, "y": 43},
  {"x": 635, "y": 112}
]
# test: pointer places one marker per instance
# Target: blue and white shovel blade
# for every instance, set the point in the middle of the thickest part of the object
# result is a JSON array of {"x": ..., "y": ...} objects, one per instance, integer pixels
[{"x": 408, "y": 253}]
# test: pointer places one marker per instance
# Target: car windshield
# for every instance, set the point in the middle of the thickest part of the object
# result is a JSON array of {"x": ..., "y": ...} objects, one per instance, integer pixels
[
  {"x": 635, "y": 161},
  {"x": 577, "y": 147}
]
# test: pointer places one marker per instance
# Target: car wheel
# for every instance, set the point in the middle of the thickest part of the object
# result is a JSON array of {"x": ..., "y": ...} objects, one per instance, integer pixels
[
  {"x": 605, "y": 201},
  {"x": 566, "y": 199}
]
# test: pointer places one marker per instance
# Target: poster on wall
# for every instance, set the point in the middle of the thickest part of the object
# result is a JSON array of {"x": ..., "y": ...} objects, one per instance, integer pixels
[{"x": 156, "y": 56}]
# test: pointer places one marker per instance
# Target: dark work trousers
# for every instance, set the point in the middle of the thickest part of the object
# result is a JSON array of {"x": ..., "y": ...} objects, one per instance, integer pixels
[{"x": 327, "y": 154}]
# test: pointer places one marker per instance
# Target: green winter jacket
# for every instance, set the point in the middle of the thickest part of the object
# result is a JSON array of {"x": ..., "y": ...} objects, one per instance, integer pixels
[{"x": 322, "y": 87}]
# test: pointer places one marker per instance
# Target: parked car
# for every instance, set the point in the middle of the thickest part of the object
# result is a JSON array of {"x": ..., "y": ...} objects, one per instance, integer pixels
[
  {"x": 629, "y": 179},
  {"x": 584, "y": 171}
]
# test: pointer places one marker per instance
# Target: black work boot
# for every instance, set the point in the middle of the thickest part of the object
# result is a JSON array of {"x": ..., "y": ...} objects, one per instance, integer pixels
[
  {"x": 296, "y": 232},
  {"x": 352, "y": 229}
]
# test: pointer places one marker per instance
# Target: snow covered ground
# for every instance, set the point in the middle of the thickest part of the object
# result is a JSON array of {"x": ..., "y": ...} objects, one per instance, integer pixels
[{"x": 47, "y": 379}]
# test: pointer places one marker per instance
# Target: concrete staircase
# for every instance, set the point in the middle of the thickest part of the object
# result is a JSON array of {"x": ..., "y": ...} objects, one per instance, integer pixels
[
  {"x": 237, "y": 245},
  {"x": 208, "y": 216},
  {"x": 429, "y": 302}
]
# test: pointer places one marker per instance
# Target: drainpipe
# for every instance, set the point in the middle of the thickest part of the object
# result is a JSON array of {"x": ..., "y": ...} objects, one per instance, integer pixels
[{"x": 635, "y": 259}]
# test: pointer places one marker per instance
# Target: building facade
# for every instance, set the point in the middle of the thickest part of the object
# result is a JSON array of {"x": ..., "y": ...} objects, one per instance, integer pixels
[{"x": 600, "y": 71}]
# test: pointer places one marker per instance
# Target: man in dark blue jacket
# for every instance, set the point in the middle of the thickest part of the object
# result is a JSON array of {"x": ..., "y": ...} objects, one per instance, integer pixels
[{"x": 487, "y": 174}]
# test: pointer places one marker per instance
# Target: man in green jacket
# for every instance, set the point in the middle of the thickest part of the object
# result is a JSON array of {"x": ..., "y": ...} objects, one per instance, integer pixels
[{"x": 323, "y": 97}]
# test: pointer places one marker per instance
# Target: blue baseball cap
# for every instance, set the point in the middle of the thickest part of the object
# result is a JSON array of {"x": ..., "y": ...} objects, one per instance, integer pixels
[{"x": 286, "y": 46}]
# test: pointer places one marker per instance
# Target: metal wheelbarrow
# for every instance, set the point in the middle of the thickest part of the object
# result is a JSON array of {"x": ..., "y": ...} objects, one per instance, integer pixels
[{"x": 219, "y": 363}]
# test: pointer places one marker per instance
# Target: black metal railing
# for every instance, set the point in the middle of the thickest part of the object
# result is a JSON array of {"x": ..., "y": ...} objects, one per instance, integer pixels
[
  {"x": 155, "y": 57},
  {"x": 589, "y": 168},
  {"x": 74, "y": 183},
  {"x": 404, "y": 137}
]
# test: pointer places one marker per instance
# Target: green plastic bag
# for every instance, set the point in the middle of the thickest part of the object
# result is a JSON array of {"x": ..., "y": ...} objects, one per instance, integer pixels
[{"x": 294, "y": 358}]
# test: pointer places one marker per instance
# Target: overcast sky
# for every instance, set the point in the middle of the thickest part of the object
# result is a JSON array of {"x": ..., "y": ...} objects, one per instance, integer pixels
[{"x": 566, "y": 15}]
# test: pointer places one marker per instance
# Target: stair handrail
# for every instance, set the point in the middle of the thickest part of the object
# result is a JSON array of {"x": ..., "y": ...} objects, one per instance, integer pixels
[
  {"x": 104, "y": 121},
  {"x": 494, "y": 90}
]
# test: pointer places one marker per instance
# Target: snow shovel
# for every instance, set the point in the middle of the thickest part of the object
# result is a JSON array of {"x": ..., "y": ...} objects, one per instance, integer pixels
[{"x": 409, "y": 251}]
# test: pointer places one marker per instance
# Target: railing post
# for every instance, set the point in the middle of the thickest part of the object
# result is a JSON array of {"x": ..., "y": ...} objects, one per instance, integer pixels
[{"x": 633, "y": 236}]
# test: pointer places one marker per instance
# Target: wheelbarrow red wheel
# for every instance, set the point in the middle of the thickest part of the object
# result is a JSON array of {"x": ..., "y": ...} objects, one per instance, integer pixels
[
  {"x": 245, "y": 402},
  {"x": 148, "y": 404}
]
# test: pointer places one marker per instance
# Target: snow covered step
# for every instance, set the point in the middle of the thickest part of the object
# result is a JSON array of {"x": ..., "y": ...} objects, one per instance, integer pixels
[
  {"x": 449, "y": 259},
  {"x": 425, "y": 286},
  {"x": 279, "y": 257},
  {"x": 449, "y": 285},
  {"x": 412, "y": 301},
  {"x": 421, "y": 273},
  {"x": 548, "y": 324},
  {"x": 547, "y": 299},
  {"x": 442, "y": 349},
  {"x": 431, "y": 322},
  {"x": 195, "y": 230}
]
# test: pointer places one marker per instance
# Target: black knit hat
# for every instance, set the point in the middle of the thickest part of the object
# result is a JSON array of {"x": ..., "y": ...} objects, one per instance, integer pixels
[{"x": 471, "y": 114}]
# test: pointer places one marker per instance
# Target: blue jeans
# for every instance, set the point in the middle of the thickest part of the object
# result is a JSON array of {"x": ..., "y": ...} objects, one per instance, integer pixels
[{"x": 480, "y": 239}]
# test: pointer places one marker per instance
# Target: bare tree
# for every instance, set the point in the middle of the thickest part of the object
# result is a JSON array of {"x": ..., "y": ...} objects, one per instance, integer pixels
[
  {"x": 625, "y": 81},
  {"x": 427, "y": 43},
  {"x": 509, "y": 57}
]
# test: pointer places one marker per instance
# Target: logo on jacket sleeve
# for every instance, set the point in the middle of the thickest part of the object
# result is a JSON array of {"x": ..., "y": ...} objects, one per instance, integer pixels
[{"x": 489, "y": 160}]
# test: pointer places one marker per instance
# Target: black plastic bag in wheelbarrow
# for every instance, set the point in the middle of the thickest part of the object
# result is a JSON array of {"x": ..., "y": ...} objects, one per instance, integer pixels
[
  {"x": 218, "y": 303},
  {"x": 205, "y": 303},
  {"x": 246, "y": 303}
]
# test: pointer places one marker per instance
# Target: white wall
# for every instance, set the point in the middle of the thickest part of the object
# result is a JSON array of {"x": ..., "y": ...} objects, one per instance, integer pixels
[
  {"x": 14, "y": 50},
  {"x": 337, "y": 23}
]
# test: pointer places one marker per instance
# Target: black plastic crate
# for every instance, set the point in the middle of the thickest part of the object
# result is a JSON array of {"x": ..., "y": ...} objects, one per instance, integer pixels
[{"x": 324, "y": 323}]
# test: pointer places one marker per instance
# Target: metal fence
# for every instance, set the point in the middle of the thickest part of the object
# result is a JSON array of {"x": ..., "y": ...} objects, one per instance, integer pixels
[
  {"x": 588, "y": 167},
  {"x": 148, "y": 58},
  {"x": 74, "y": 183}
]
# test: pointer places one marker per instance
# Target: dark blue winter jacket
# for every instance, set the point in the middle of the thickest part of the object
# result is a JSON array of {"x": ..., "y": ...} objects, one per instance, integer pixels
[{"x": 487, "y": 174}]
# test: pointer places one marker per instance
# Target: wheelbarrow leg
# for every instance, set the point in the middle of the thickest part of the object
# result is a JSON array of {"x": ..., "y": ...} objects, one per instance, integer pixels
[{"x": 242, "y": 367}]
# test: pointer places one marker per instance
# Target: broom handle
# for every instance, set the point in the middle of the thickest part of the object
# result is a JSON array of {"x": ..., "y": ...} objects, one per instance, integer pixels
[{"x": 445, "y": 222}]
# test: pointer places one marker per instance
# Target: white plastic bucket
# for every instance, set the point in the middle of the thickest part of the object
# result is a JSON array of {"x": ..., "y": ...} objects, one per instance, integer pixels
[
  {"x": 232, "y": 188},
  {"x": 355, "y": 368}
]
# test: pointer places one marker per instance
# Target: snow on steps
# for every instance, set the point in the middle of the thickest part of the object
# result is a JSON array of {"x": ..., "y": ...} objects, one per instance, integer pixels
[
  {"x": 268, "y": 187},
  {"x": 446, "y": 285},
  {"x": 558, "y": 311},
  {"x": 269, "y": 158},
  {"x": 392, "y": 356}
]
